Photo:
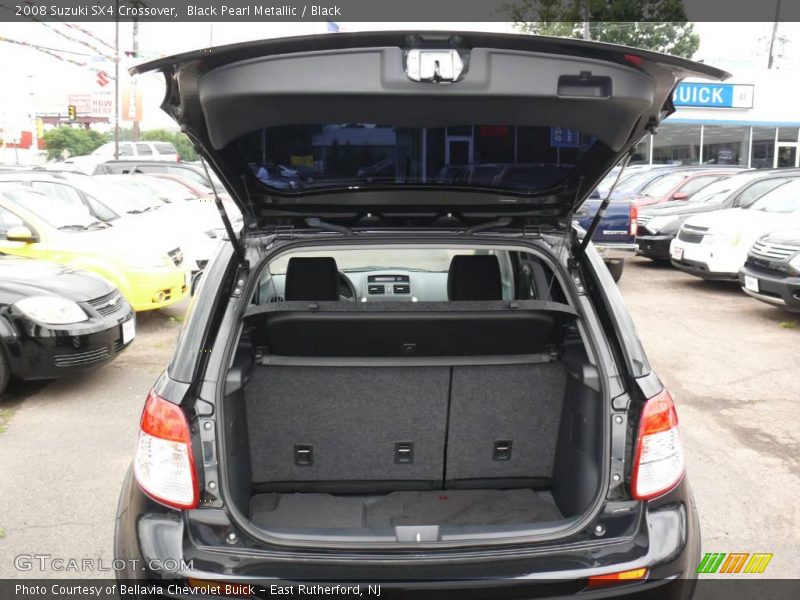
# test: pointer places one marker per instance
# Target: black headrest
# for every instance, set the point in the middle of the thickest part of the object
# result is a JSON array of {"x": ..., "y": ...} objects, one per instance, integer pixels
[
  {"x": 312, "y": 279},
  {"x": 474, "y": 278}
]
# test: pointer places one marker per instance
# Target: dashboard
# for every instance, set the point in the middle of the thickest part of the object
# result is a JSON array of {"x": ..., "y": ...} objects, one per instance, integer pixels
[{"x": 396, "y": 285}]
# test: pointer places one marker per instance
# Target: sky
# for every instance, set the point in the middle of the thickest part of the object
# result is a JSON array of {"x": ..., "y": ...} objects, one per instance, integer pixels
[{"x": 32, "y": 78}]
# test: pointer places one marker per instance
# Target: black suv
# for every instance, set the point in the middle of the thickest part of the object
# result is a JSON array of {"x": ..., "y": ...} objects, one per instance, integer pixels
[
  {"x": 771, "y": 272},
  {"x": 428, "y": 387}
]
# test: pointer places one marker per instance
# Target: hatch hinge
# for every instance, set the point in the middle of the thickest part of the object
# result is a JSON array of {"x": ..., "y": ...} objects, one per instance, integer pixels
[{"x": 241, "y": 279}]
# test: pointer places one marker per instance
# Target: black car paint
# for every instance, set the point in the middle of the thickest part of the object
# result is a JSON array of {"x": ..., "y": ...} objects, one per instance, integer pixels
[
  {"x": 661, "y": 534},
  {"x": 30, "y": 346}
]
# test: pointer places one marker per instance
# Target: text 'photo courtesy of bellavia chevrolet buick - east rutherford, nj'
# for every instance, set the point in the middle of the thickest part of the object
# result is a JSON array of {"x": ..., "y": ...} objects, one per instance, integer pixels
[{"x": 355, "y": 317}]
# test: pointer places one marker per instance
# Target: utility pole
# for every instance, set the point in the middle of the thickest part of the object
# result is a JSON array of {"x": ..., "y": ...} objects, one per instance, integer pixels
[
  {"x": 586, "y": 33},
  {"x": 116, "y": 79},
  {"x": 135, "y": 128},
  {"x": 774, "y": 33}
]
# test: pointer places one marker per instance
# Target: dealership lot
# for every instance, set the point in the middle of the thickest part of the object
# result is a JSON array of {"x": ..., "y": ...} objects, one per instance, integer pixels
[{"x": 730, "y": 362}]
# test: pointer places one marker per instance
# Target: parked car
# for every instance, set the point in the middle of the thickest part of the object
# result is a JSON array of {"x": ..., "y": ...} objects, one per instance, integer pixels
[
  {"x": 714, "y": 245},
  {"x": 308, "y": 430},
  {"x": 133, "y": 213},
  {"x": 679, "y": 185},
  {"x": 189, "y": 171},
  {"x": 659, "y": 224},
  {"x": 615, "y": 236},
  {"x": 771, "y": 272},
  {"x": 637, "y": 183},
  {"x": 150, "y": 151},
  {"x": 40, "y": 226},
  {"x": 57, "y": 321}
]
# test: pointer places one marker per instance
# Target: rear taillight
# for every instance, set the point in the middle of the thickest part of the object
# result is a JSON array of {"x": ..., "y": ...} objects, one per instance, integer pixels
[
  {"x": 164, "y": 465},
  {"x": 658, "y": 464},
  {"x": 634, "y": 221}
]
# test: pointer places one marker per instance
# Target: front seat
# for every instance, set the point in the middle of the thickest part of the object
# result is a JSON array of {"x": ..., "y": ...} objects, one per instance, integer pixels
[
  {"x": 474, "y": 278},
  {"x": 314, "y": 279}
]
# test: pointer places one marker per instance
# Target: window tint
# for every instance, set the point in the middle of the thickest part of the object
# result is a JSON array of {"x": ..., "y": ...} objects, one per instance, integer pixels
[
  {"x": 758, "y": 189},
  {"x": 144, "y": 149},
  {"x": 529, "y": 159}
]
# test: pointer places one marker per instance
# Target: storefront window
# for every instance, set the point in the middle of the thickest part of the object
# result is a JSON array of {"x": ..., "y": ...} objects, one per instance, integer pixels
[
  {"x": 763, "y": 148},
  {"x": 725, "y": 145},
  {"x": 677, "y": 143},
  {"x": 787, "y": 134}
]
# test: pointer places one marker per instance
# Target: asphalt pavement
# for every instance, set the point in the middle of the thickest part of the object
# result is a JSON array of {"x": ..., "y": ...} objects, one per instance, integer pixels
[{"x": 730, "y": 362}]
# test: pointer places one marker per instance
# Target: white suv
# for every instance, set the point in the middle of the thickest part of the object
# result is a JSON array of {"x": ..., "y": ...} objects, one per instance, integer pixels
[
  {"x": 714, "y": 245},
  {"x": 142, "y": 150}
]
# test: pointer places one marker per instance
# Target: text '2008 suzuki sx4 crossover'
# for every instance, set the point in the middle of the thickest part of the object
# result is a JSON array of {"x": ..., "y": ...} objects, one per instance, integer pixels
[{"x": 433, "y": 387}]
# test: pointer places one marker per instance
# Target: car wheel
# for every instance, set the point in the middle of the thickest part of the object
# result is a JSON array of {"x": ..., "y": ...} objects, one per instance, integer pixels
[
  {"x": 5, "y": 371},
  {"x": 615, "y": 267}
]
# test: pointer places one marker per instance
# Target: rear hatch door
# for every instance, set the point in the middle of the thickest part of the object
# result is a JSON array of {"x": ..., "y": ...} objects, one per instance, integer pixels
[{"x": 482, "y": 125}]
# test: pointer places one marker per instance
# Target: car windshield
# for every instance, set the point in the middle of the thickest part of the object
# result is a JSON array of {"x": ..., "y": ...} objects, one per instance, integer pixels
[
  {"x": 663, "y": 185},
  {"x": 783, "y": 199},
  {"x": 719, "y": 190},
  {"x": 117, "y": 197},
  {"x": 153, "y": 188},
  {"x": 523, "y": 159},
  {"x": 351, "y": 261},
  {"x": 634, "y": 182},
  {"x": 54, "y": 211}
]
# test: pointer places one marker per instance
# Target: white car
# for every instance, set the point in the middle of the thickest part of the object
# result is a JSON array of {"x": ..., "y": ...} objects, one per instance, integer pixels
[{"x": 714, "y": 245}]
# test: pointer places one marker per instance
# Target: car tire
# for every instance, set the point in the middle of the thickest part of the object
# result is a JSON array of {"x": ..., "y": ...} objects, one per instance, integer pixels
[
  {"x": 5, "y": 371},
  {"x": 615, "y": 267}
]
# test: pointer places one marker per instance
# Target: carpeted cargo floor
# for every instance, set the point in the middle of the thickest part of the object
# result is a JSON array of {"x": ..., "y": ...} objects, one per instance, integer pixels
[{"x": 447, "y": 507}]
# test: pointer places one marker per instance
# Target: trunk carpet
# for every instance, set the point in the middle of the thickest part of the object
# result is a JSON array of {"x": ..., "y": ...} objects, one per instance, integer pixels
[{"x": 447, "y": 507}]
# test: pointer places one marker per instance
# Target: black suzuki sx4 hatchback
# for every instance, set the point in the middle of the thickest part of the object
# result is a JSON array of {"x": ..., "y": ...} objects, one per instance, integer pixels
[{"x": 394, "y": 381}]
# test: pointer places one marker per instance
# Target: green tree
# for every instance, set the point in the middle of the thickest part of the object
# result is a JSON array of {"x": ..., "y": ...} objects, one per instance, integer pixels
[
  {"x": 77, "y": 141},
  {"x": 658, "y": 25}
]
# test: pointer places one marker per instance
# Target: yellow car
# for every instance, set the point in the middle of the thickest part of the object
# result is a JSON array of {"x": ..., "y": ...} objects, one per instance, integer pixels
[{"x": 148, "y": 272}]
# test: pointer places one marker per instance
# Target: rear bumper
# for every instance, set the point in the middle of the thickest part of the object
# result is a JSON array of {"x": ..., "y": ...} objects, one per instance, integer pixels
[
  {"x": 781, "y": 291},
  {"x": 664, "y": 538},
  {"x": 610, "y": 250},
  {"x": 654, "y": 246}
]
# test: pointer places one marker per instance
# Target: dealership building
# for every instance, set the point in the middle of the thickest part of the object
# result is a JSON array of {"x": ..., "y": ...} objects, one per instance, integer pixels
[{"x": 753, "y": 120}]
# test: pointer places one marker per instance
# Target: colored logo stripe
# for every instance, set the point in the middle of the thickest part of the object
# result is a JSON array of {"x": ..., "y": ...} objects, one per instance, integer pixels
[
  {"x": 758, "y": 563},
  {"x": 714, "y": 562}
]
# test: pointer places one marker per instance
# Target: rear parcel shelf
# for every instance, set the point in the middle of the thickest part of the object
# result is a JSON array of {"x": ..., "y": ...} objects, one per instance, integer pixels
[{"x": 386, "y": 333}]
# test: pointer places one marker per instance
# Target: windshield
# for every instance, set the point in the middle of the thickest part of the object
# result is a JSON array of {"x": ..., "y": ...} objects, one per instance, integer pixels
[
  {"x": 634, "y": 182},
  {"x": 525, "y": 159},
  {"x": 152, "y": 189},
  {"x": 118, "y": 197},
  {"x": 783, "y": 199},
  {"x": 54, "y": 211},
  {"x": 663, "y": 185},
  {"x": 719, "y": 190},
  {"x": 350, "y": 261}
]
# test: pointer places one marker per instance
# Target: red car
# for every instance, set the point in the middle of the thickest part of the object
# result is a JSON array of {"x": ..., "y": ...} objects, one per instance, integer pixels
[{"x": 679, "y": 185}]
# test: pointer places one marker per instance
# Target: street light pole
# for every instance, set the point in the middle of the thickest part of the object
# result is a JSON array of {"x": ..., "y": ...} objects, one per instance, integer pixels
[
  {"x": 116, "y": 80},
  {"x": 774, "y": 32}
]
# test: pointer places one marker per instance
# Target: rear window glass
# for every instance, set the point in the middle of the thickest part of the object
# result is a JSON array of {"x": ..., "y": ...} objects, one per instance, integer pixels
[
  {"x": 164, "y": 148},
  {"x": 524, "y": 159}
]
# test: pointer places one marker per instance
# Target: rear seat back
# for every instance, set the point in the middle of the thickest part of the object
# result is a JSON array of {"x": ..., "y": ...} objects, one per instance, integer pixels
[{"x": 367, "y": 397}]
